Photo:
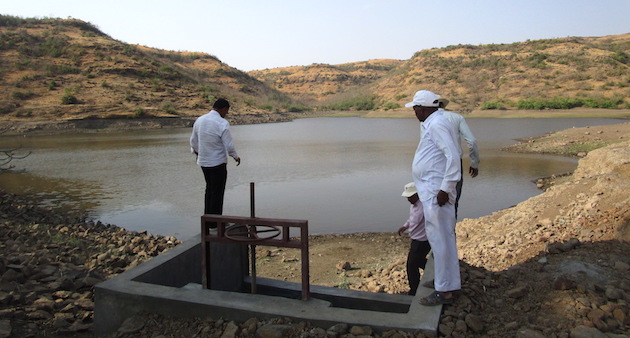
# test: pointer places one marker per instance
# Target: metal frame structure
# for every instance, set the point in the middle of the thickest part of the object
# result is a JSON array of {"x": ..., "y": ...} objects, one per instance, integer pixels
[{"x": 254, "y": 231}]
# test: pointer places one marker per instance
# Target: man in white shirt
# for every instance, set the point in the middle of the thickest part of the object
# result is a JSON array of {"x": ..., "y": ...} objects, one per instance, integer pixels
[
  {"x": 436, "y": 170},
  {"x": 463, "y": 132},
  {"x": 212, "y": 142}
]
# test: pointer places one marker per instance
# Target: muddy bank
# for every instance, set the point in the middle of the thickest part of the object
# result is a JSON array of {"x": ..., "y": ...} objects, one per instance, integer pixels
[
  {"x": 126, "y": 124},
  {"x": 574, "y": 142}
]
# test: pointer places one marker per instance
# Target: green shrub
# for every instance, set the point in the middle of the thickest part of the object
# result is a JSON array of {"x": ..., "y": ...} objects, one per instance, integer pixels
[
  {"x": 169, "y": 107},
  {"x": 69, "y": 99},
  {"x": 7, "y": 107},
  {"x": 356, "y": 103},
  {"x": 298, "y": 108},
  {"x": 391, "y": 105},
  {"x": 22, "y": 64},
  {"x": 537, "y": 60},
  {"x": 568, "y": 103},
  {"x": 52, "y": 70},
  {"x": 246, "y": 89},
  {"x": 22, "y": 95},
  {"x": 205, "y": 89},
  {"x": 54, "y": 46},
  {"x": 211, "y": 99},
  {"x": 493, "y": 105},
  {"x": 621, "y": 57}
]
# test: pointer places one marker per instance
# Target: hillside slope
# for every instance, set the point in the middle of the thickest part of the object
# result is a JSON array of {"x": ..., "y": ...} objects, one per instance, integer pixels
[
  {"x": 55, "y": 69},
  {"x": 321, "y": 82},
  {"x": 595, "y": 70},
  {"x": 58, "y": 69}
]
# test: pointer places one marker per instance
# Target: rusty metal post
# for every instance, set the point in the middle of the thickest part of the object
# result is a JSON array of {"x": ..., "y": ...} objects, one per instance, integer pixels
[
  {"x": 275, "y": 232},
  {"x": 306, "y": 284},
  {"x": 252, "y": 247}
]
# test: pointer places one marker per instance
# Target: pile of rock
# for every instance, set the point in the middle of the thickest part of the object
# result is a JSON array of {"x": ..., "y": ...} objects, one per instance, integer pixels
[
  {"x": 391, "y": 279},
  {"x": 151, "y": 325},
  {"x": 50, "y": 262}
]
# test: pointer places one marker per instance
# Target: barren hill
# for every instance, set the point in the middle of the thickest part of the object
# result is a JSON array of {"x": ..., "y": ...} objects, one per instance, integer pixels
[
  {"x": 320, "y": 82},
  {"x": 553, "y": 73},
  {"x": 55, "y": 69}
]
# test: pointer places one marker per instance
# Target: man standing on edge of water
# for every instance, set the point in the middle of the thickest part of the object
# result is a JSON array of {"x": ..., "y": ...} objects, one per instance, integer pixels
[
  {"x": 436, "y": 171},
  {"x": 464, "y": 132},
  {"x": 211, "y": 141}
]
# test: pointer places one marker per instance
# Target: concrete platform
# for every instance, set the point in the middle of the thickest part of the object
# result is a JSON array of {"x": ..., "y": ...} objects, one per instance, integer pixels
[{"x": 170, "y": 284}]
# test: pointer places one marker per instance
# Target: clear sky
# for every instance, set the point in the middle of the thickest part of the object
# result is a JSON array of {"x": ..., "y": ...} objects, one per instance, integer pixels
[{"x": 259, "y": 34}]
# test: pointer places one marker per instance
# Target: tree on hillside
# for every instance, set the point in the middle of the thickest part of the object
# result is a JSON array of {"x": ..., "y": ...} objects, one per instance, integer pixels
[{"x": 8, "y": 155}]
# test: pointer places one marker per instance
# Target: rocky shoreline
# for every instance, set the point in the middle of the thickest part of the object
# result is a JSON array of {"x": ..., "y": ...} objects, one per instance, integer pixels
[
  {"x": 556, "y": 265},
  {"x": 51, "y": 261}
]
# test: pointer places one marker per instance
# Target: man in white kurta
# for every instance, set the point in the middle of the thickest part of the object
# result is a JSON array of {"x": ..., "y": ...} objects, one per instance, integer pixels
[
  {"x": 436, "y": 170},
  {"x": 463, "y": 132}
]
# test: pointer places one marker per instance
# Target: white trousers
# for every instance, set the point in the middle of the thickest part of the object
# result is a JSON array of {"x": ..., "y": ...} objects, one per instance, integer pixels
[{"x": 440, "y": 227}]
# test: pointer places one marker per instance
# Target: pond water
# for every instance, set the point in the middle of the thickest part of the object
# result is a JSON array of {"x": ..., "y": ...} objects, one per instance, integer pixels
[{"x": 343, "y": 175}]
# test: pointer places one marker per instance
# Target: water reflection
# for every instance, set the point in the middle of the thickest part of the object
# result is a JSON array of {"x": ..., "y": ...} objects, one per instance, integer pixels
[
  {"x": 341, "y": 174},
  {"x": 67, "y": 194}
]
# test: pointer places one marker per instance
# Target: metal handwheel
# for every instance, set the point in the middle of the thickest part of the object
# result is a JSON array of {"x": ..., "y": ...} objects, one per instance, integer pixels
[{"x": 243, "y": 232}]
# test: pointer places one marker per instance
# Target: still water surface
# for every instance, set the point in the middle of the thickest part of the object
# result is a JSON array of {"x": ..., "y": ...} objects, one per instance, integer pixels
[{"x": 343, "y": 175}]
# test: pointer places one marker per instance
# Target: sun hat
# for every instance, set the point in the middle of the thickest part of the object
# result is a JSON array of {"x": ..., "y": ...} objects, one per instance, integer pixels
[
  {"x": 409, "y": 190},
  {"x": 424, "y": 98}
]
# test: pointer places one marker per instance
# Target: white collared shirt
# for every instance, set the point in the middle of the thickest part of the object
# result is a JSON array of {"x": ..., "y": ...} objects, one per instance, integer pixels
[
  {"x": 211, "y": 140},
  {"x": 436, "y": 164},
  {"x": 462, "y": 132}
]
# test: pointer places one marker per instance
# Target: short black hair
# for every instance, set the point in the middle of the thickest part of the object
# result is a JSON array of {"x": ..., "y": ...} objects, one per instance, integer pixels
[{"x": 220, "y": 104}]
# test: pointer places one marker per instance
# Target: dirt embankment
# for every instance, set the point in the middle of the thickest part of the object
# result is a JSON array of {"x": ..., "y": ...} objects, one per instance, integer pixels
[
  {"x": 9, "y": 127},
  {"x": 556, "y": 265},
  {"x": 575, "y": 142}
]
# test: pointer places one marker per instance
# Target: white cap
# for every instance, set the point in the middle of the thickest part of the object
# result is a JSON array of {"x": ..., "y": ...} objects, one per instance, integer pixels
[
  {"x": 424, "y": 98},
  {"x": 409, "y": 190}
]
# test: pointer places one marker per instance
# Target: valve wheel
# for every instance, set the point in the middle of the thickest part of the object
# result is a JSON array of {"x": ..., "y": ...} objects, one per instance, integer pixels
[{"x": 248, "y": 233}]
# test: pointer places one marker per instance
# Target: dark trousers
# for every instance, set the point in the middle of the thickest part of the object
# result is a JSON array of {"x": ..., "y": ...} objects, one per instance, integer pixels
[
  {"x": 416, "y": 260},
  {"x": 215, "y": 188}
]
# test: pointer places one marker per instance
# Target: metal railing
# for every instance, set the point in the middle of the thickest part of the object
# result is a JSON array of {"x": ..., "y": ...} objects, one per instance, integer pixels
[{"x": 254, "y": 231}]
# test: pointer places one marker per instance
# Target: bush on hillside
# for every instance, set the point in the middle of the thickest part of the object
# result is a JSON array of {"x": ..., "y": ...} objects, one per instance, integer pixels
[
  {"x": 500, "y": 105},
  {"x": 568, "y": 103},
  {"x": 356, "y": 103},
  {"x": 68, "y": 98}
]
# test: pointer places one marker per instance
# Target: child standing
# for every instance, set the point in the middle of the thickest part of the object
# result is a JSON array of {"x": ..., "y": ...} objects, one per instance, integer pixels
[{"x": 417, "y": 257}]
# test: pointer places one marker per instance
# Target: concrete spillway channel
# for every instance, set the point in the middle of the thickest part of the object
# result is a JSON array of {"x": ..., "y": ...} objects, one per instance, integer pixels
[{"x": 171, "y": 284}]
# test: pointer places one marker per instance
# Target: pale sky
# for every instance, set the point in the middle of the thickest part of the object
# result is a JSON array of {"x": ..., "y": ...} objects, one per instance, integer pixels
[{"x": 259, "y": 34}]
